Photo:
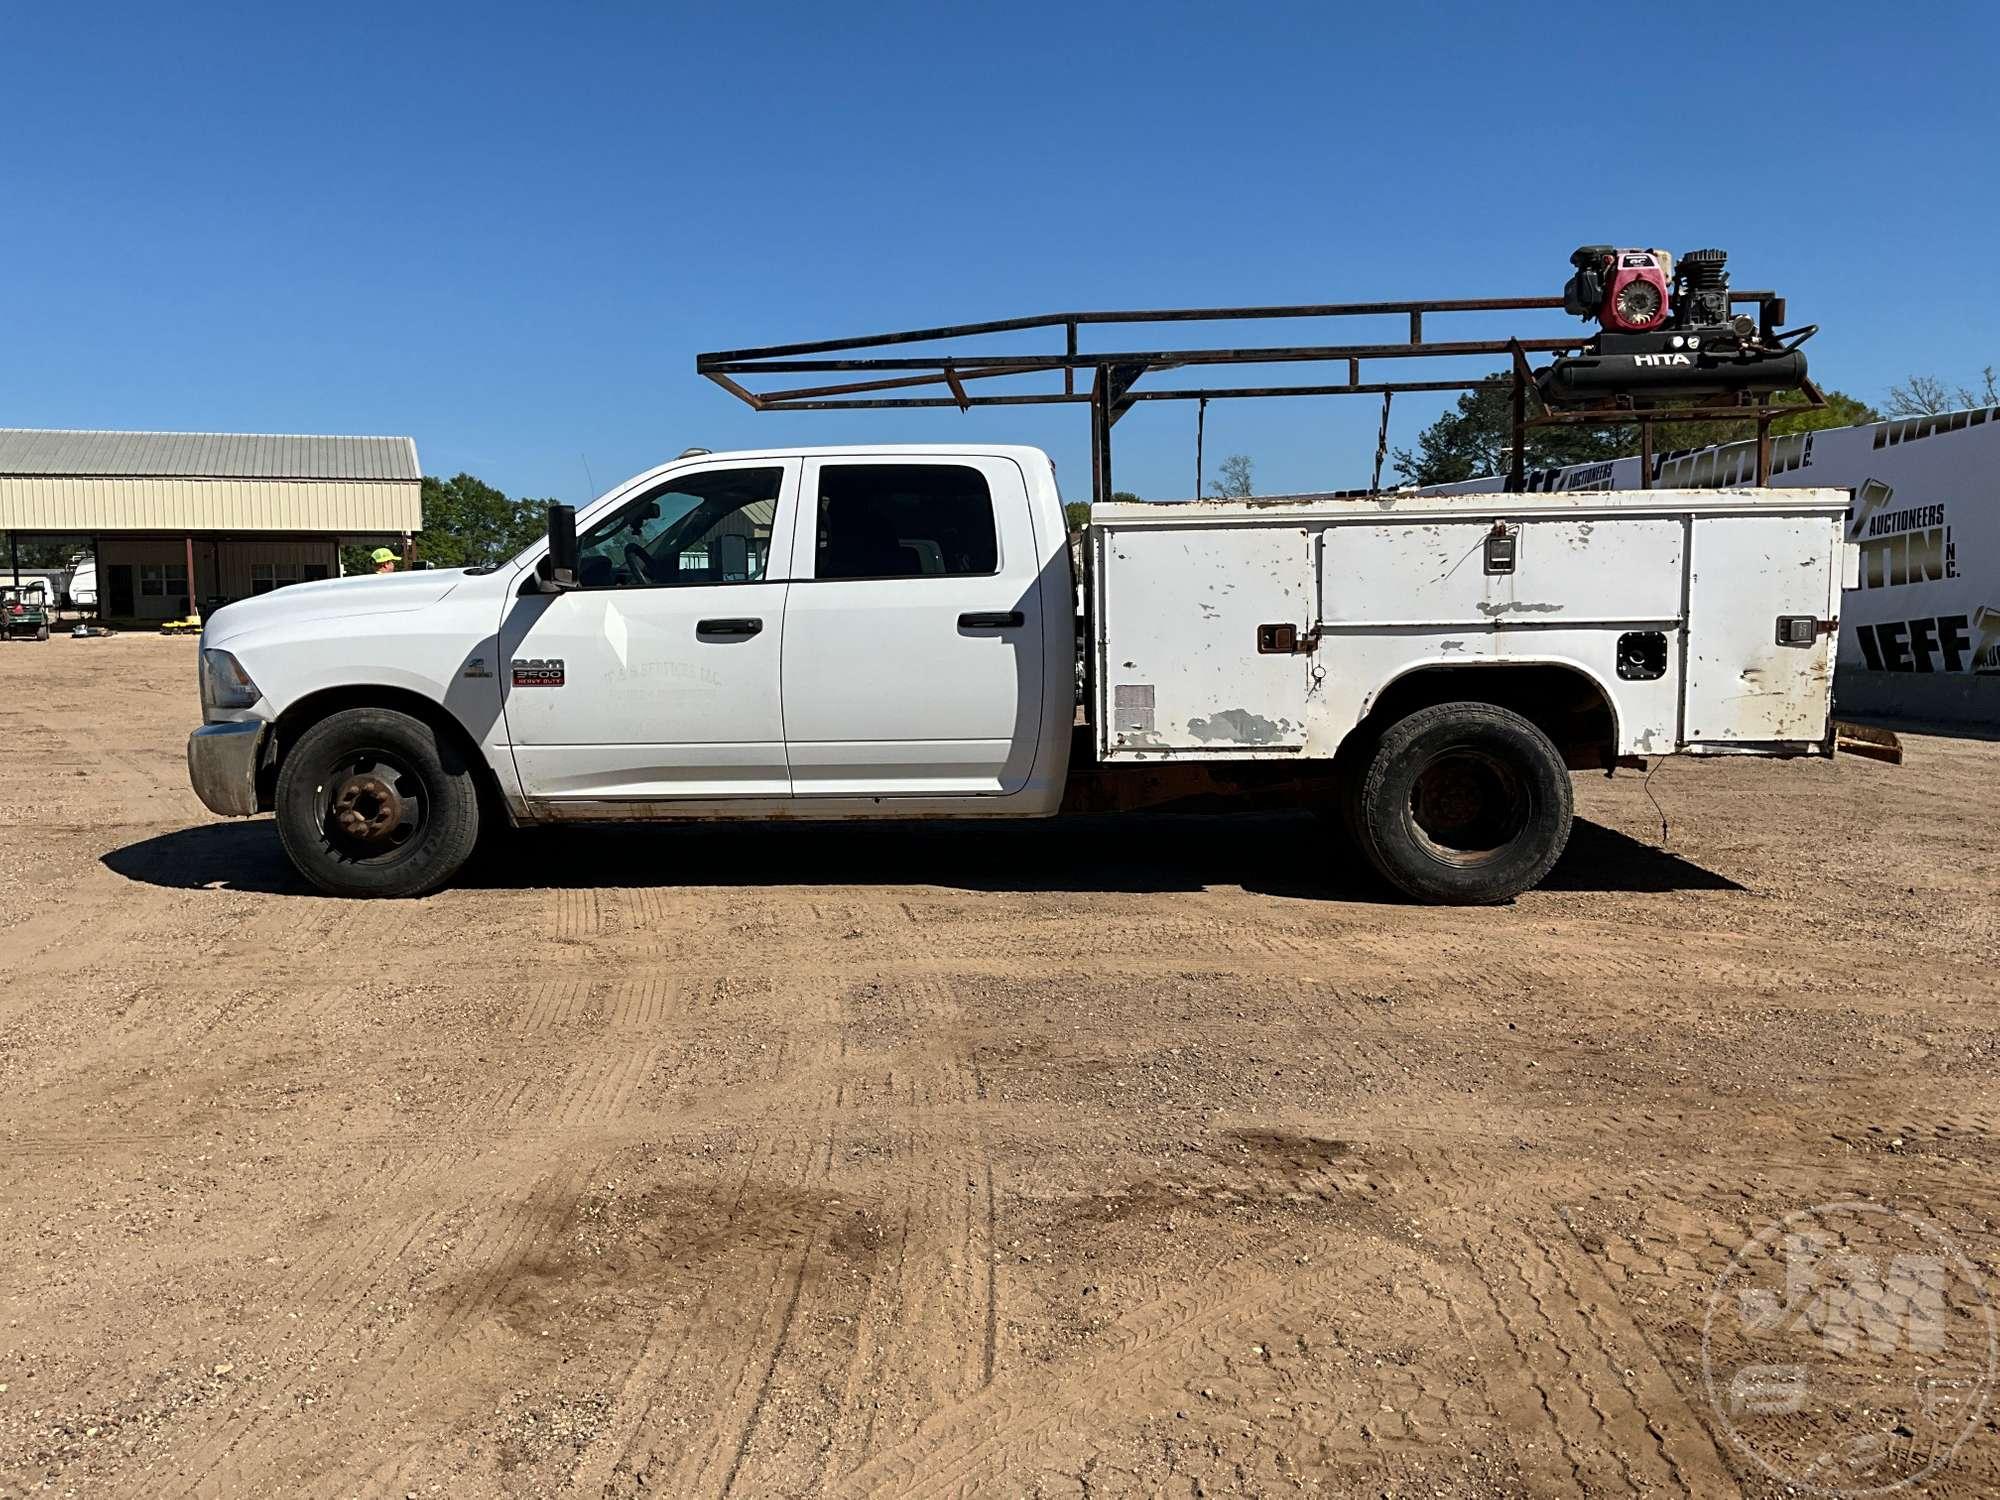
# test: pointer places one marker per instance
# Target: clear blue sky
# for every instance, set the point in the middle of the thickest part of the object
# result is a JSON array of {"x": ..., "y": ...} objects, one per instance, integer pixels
[{"x": 507, "y": 230}]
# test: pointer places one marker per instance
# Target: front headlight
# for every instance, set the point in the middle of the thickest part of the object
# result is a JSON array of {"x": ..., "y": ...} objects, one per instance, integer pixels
[{"x": 224, "y": 683}]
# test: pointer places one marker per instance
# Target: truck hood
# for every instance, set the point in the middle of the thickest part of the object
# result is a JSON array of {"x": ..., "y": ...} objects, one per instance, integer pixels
[{"x": 332, "y": 598}]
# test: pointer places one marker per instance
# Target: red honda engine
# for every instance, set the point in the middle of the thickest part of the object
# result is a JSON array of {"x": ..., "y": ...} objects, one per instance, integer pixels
[{"x": 1626, "y": 290}]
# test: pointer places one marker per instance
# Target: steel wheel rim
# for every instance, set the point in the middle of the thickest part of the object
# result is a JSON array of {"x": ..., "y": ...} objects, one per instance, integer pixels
[
  {"x": 372, "y": 805},
  {"x": 1467, "y": 808}
]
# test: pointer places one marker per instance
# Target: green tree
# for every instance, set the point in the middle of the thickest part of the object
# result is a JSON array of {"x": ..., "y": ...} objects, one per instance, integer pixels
[
  {"x": 43, "y": 551},
  {"x": 1473, "y": 439},
  {"x": 467, "y": 523},
  {"x": 1235, "y": 481}
]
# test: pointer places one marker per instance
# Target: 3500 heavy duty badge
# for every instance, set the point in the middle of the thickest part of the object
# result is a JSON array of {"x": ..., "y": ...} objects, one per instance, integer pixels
[{"x": 538, "y": 671}]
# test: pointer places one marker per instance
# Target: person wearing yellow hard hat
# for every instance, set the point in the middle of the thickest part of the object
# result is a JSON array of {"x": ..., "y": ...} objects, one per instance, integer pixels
[{"x": 384, "y": 560}]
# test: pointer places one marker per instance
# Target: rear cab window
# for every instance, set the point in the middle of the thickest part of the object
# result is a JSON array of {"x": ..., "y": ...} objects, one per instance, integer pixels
[{"x": 905, "y": 520}]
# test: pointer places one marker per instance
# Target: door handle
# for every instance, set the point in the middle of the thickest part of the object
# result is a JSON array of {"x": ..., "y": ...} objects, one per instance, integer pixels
[
  {"x": 741, "y": 628},
  {"x": 1009, "y": 619}
]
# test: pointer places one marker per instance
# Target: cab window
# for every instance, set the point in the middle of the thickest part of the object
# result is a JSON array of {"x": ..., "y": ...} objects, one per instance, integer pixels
[
  {"x": 709, "y": 527},
  {"x": 904, "y": 521}
]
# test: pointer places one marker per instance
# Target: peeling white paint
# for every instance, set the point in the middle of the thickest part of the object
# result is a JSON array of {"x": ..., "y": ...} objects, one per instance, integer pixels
[{"x": 1238, "y": 726}]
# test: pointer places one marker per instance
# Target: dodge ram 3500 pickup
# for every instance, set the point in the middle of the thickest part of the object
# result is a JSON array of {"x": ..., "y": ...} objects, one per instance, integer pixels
[{"x": 896, "y": 632}]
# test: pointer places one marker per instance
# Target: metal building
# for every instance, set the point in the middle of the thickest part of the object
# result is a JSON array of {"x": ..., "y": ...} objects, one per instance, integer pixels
[{"x": 197, "y": 518}]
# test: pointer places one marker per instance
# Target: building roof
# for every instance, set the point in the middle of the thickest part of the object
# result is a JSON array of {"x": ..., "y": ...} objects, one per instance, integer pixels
[{"x": 59, "y": 453}]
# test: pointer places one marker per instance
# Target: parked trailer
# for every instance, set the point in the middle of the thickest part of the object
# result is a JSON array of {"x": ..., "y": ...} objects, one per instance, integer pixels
[{"x": 865, "y": 633}]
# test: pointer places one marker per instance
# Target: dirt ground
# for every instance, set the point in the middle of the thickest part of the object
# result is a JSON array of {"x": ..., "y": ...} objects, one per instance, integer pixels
[{"x": 1157, "y": 1156}]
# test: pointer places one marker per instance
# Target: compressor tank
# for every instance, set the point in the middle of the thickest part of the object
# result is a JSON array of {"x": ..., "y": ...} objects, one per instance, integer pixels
[{"x": 1577, "y": 379}]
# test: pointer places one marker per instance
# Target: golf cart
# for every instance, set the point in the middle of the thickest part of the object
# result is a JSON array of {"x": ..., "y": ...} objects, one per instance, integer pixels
[{"x": 24, "y": 610}]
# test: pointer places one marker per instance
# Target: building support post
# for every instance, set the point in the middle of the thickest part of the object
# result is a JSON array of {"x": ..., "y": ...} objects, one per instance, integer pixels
[
  {"x": 14, "y": 555},
  {"x": 193, "y": 609}
]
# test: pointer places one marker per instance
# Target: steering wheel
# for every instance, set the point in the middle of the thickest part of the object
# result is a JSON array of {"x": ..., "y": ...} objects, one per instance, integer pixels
[{"x": 639, "y": 563}]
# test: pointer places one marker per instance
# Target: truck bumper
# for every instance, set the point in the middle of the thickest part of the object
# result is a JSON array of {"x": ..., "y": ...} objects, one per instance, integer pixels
[{"x": 222, "y": 765}]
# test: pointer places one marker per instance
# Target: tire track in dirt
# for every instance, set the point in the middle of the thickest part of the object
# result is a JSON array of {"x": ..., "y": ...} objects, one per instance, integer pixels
[
  {"x": 598, "y": 1082},
  {"x": 641, "y": 1005},
  {"x": 550, "y": 1004},
  {"x": 1138, "y": 1363},
  {"x": 336, "y": 1281},
  {"x": 574, "y": 914},
  {"x": 1596, "y": 1397},
  {"x": 928, "y": 1334},
  {"x": 746, "y": 1301},
  {"x": 761, "y": 1247},
  {"x": 426, "y": 1366},
  {"x": 93, "y": 922},
  {"x": 1670, "y": 1255},
  {"x": 427, "y": 1369},
  {"x": 317, "y": 929},
  {"x": 1599, "y": 1415},
  {"x": 905, "y": 1314}
]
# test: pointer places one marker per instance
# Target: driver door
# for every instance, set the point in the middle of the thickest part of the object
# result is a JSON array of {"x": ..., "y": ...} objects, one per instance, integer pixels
[{"x": 657, "y": 678}]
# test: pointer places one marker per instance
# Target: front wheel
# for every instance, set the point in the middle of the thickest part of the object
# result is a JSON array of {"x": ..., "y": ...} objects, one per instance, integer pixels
[
  {"x": 1464, "y": 804},
  {"x": 372, "y": 802}
]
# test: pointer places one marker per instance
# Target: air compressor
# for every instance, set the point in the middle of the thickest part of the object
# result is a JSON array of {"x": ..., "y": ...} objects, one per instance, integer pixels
[{"x": 1666, "y": 332}]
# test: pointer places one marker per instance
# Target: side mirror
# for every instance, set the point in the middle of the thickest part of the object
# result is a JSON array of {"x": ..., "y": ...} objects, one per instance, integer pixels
[{"x": 560, "y": 565}]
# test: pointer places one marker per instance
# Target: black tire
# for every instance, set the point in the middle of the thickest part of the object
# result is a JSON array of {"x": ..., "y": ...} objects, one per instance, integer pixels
[
  {"x": 372, "y": 802},
  {"x": 1350, "y": 771},
  {"x": 1464, "y": 804}
]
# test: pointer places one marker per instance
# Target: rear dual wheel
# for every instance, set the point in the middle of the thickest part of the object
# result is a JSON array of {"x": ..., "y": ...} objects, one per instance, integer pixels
[
  {"x": 372, "y": 802},
  {"x": 1461, "y": 804}
]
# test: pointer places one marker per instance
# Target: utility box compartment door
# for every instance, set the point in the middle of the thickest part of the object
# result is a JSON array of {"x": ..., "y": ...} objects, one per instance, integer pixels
[
  {"x": 1179, "y": 611},
  {"x": 1745, "y": 573},
  {"x": 1562, "y": 571}
]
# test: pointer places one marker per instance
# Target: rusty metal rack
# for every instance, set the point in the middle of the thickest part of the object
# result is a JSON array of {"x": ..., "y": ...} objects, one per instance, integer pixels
[{"x": 921, "y": 379}]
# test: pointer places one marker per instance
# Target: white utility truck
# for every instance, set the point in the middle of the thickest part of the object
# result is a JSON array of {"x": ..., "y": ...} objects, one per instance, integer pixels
[{"x": 896, "y": 632}]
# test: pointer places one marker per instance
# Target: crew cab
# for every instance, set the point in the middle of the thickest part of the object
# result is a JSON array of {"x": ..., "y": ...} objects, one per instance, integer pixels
[{"x": 908, "y": 632}]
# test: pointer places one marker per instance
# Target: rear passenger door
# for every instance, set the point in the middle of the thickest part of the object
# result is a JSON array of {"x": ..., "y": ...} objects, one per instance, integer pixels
[{"x": 912, "y": 659}]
